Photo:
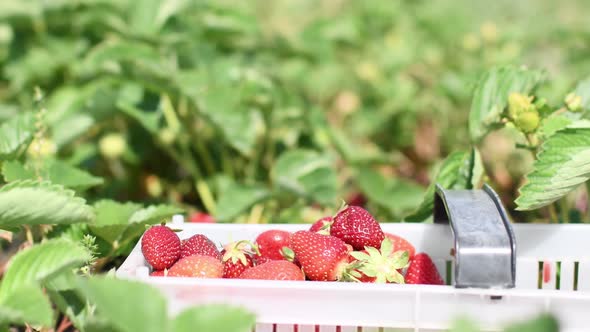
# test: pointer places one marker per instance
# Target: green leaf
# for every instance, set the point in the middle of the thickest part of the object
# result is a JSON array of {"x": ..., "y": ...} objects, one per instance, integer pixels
[
  {"x": 398, "y": 196},
  {"x": 16, "y": 134},
  {"x": 120, "y": 51},
  {"x": 552, "y": 124},
  {"x": 149, "y": 120},
  {"x": 119, "y": 223},
  {"x": 26, "y": 304},
  {"x": 154, "y": 214},
  {"x": 306, "y": 173},
  {"x": 238, "y": 198},
  {"x": 562, "y": 164},
  {"x": 542, "y": 323},
  {"x": 214, "y": 318},
  {"x": 70, "y": 128},
  {"x": 56, "y": 171},
  {"x": 33, "y": 203},
  {"x": 240, "y": 126},
  {"x": 460, "y": 170},
  {"x": 112, "y": 218},
  {"x": 142, "y": 308},
  {"x": 42, "y": 262},
  {"x": 491, "y": 96}
]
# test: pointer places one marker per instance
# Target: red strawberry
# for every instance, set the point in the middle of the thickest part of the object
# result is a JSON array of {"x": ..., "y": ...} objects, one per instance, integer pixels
[
  {"x": 423, "y": 271},
  {"x": 199, "y": 244},
  {"x": 159, "y": 273},
  {"x": 379, "y": 266},
  {"x": 357, "y": 227},
  {"x": 197, "y": 266},
  {"x": 322, "y": 257},
  {"x": 200, "y": 217},
  {"x": 236, "y": 259},
  {"x": 160, "y": 247},
  {"x": 274, "y": 270},
  {"x": 322, "y": 226},
  {"x": 270, "y": 243},
  {"x": 399, "y": 243}
]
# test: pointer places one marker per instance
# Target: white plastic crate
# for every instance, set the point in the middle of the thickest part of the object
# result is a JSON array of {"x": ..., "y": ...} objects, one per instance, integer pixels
[{"x": 303, "y": 306}]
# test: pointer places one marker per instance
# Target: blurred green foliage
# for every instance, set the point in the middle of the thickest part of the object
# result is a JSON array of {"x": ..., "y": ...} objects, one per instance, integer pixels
[{"x": 273, "y": 111}]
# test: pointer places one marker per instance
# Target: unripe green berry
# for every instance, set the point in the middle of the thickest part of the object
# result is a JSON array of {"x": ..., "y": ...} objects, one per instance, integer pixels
[
  {"x": 519, "y": 103},
  {"x": 527, "y": 122}
]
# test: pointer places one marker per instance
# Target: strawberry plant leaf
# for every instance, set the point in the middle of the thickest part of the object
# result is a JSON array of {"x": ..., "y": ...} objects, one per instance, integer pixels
[
  {"x": 142, "y": 308},
  {"x": 16, "y": 134},
  {"x": 460, "y": 170},
  {"x": 306, "y": 173},
  {"x": 398, "y": 196},
  {"x": 20, "y": 203},
  {"x": 112, "y": 218},
  {"x": 56, "y": 171},
  {"x": 26, "y": 304},
  {"x": 541, "y": 323},
  {"x": 552, "y": 124},
  {"x": 42, "y": 262},
  {"x": 491, "y": 96},
  {"x": 562, "y": 164},
  {"x": 214, "y": 318},
  {"x": 238, "y": 198},
  {"x": 154, "y": 214}
]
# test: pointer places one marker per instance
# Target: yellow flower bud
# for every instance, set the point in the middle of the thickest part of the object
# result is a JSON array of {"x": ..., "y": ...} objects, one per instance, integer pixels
[
  {"x": 489, "y": 32},
  {"x": 112, "y": 146},
  {"x": 519, "y": 103},
  {"x": 42, "y": 148},
  {"x": 573, "y": 102}
]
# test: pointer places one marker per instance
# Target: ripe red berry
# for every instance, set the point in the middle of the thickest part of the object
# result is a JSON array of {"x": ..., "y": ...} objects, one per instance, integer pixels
[
  {"x": 197, "y": 266},
  {"x": 399, "y": 243},
  {"x": 357, "y": 227},
  {"x": 274, "y": 270},
  {"x": 322, "y": 257},
  {"x": 237, "y": 258},
  {"x": 199, "y": 244},
  {"x": 423, "y": 271},
  {"x": 270, "y": 243},
  {"x": 322, "y": 226},
  {"x": 160, "y": 247}
]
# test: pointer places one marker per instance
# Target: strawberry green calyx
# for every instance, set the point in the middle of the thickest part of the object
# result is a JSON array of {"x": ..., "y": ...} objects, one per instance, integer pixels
[
  {"x": 288, "y": 254},
  {"x": 237, "y": 251},
  {"x": 384, "y": 264}
]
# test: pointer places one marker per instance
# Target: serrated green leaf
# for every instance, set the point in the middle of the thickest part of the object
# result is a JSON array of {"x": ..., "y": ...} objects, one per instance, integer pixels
[
  {"x": 361, "y": 256},
  {"x": 26, "y": 304},
  {"x": 119, "y": 51},
  {"x": 562, "y": 164},
  {"x": 306, "y": 173},
  {"x": 149, "y": 120},
  {"x": 240, "y": 126},
  {"x": 398, "y": 196},
  {"x": 552, "y": 124},
  {"x": 112, "y": 218},
  {"x": 238, "y": 198},
  {"x": 491, "y": 96},
  {"x": 33, "y": 203},
  {"x": 460, "y": 170},
  {"x": 154, "y": 214},
  {"x": 70, "y": 128},
  {"x": 55, "y": 171},
  {"x": 143, "y": 308},
  {"x": 16, "y": 134},
  {"x": 42, "y": 262},
  {"x": 214, "y": 318}
]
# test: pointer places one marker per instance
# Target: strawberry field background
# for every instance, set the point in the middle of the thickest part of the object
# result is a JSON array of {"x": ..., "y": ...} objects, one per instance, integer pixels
[{"x": 115, "y": 115}]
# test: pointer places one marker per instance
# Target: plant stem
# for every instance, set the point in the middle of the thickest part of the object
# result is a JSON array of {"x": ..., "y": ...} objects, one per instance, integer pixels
[
  {"x": 563, "y": 210},
  {"x": 553, "y": 214}
]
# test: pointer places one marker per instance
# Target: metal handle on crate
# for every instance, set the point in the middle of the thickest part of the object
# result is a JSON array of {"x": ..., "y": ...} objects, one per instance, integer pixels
[{"x": 485, "y": 246}]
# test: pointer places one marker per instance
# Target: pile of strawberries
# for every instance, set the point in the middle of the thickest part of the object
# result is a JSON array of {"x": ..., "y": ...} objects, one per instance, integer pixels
[{"x": 351, "y": 246}]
